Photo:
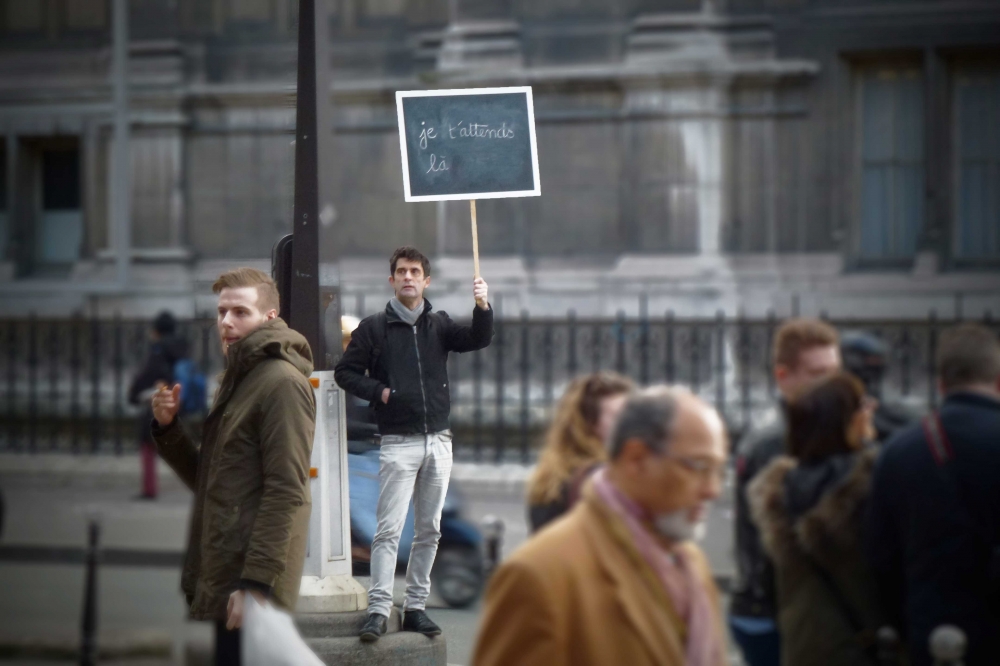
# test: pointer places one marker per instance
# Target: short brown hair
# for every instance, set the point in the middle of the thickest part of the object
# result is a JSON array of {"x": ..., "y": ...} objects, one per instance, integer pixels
[
  {"x": 819, "y": 417},
  {"x": 798, "y": 335},
  {"x": 412, "y": 254},
  {"x": 267, "y": 292},
  {"x": 968, "y": 354}
]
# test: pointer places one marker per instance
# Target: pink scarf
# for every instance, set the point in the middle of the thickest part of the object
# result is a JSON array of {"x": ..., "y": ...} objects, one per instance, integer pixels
[{"x": 686, "y": 591}]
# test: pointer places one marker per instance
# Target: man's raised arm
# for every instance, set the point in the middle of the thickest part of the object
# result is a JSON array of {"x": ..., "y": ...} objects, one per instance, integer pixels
[{"x": 172, "y": 443}]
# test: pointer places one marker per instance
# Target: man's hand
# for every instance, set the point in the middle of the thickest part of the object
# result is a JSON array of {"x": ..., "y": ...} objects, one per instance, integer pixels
[
  {"x": 166, "y": 404},
  {"x": 234, "y": 614},
  {"x": 385, "y": 396},
  {"x": 480, "y": 291}
]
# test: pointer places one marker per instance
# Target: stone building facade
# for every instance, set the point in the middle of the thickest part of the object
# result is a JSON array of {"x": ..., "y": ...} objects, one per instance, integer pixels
[{"x": 835, "y": 156}]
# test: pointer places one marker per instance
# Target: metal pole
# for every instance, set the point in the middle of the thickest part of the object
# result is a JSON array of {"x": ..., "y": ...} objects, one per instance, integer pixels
[
  {"x": 88, "y": 633},
  {"x": 121, "y": 172},
  {"x": 304, "y": 313}
]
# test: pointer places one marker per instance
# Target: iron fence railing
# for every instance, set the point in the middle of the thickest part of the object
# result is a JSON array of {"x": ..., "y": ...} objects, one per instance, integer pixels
[{"x": 64, "y": 382}]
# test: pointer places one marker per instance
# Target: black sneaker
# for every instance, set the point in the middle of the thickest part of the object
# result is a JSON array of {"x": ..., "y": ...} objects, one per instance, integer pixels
[
  {"x": 417, "y": 620},
  {"x": 373, "y": 628}
]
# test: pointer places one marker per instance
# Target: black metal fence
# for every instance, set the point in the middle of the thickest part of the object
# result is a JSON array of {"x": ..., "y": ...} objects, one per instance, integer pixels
[{"x": 65, "y": 382}]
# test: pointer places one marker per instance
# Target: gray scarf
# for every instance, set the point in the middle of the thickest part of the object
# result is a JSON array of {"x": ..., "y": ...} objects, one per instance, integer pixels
[{"x": 405, "y": 313}]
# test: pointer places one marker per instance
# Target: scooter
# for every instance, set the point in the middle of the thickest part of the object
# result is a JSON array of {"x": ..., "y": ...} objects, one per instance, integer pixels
[{"x": 458, "y": 574}]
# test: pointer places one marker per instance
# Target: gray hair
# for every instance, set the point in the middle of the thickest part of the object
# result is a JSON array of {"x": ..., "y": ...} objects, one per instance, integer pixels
[{"x": 648, "y": 416}]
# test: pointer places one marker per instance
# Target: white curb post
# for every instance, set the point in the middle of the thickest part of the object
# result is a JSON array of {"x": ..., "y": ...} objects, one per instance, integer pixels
[{"x": 327, "y": 583}]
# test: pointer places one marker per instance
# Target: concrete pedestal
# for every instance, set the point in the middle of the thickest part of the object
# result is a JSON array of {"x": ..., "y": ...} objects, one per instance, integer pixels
[
  {"x": 331, "y": 594},
  {"x": 334, "y": 639}
]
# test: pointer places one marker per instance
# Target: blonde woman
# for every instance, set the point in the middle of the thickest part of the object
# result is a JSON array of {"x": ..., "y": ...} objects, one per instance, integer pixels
[{"x": 575, "y": 444}]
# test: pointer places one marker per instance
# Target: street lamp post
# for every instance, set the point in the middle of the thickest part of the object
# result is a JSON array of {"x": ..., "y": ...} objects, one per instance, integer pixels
[{"x": 304, "y": 312}]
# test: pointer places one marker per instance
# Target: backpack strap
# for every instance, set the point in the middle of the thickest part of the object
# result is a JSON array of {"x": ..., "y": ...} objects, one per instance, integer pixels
[
  {"x": 381, "y": 325},
  {"x": 937, "y": 439}
]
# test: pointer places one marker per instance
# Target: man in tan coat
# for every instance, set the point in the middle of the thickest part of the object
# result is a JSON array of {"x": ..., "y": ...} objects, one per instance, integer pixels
[
  {"x": 250, "y": 476},
  {"x": 619, "y": 580}
]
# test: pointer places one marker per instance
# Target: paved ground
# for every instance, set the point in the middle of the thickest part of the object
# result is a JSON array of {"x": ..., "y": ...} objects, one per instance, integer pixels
[{"x": 144, "y": 605}]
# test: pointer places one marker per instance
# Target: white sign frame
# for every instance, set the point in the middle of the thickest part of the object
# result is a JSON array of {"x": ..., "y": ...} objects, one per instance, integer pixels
[{"x": 402, "y": 94}]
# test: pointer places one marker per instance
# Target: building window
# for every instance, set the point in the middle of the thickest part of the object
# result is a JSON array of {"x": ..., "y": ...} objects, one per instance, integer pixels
[
  {"x": 892, "y": 163},
  {"x": 977, "y": 142},
  {"x": 60, "y": 234}
]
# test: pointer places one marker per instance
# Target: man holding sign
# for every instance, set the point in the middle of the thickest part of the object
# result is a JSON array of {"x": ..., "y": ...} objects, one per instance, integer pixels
[{"x": 397, "y": 359}]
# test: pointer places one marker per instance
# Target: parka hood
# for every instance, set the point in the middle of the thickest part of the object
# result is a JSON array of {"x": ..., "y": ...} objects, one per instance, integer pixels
[
  {"x": 271, "y": 340},
  {"x": 826, "y": 527}
]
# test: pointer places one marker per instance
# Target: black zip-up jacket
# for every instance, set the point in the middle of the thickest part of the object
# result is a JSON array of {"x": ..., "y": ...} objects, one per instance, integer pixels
[{"x": 412, "y": 361}]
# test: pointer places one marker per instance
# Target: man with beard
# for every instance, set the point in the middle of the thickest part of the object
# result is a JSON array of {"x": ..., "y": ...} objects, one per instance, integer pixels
[{"x": 619, "y": 580}]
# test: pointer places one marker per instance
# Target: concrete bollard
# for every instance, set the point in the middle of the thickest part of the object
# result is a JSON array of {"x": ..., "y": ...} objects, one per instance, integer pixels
[
  {"x": 493, "y": 529},
  {"x": 947, "y": 644}
]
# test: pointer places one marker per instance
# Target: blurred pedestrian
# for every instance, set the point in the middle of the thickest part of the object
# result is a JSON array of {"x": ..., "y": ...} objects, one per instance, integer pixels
[
  {"x": 250, "y": 475},
  {"x": 166, "y": 349},
  {"x": 620, "y": 580},
  {"x": 398, "y": 359},
  {"x": 804, "y": 350},
  {"x": 934, "y": 517},
  {"x": 575, "y": 445},
  {"x": 866, "y": 356},
  {"x": 808, "y": 506}
]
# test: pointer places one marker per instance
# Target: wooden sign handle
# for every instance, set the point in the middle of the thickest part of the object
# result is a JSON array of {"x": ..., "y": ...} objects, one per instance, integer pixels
[{"x": 475, "y": 238}]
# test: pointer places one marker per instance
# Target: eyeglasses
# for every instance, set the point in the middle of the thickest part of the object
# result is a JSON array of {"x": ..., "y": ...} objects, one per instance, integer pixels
[{"x": 708, "y": 470}]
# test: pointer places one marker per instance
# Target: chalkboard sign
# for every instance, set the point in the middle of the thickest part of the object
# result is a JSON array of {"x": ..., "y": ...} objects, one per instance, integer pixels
[{"x": 477, "y": 143}]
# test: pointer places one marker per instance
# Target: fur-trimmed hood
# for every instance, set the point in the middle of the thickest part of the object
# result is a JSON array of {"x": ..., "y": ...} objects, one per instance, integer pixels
[{"x": 830, "y": 527}]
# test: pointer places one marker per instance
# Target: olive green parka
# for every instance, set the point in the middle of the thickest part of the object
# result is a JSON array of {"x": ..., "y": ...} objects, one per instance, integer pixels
[
  {"x": 250, "y": 476},
  {"x": 820, "y": 549}
]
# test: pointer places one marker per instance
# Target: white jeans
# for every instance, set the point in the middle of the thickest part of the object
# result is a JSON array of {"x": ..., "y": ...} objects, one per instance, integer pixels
[{"x": 417, "y": 466}]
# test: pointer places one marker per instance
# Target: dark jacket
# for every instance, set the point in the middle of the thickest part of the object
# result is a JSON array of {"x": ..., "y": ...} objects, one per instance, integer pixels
[
  {"x": 811, "y": 525},
  {"x": 753, "y": 595},
  {"x": 927, "y": 542},
  {"x": 413, "y": 363},
  {"x": 540, "y": 515},
  {"x": 159, "y": 367},
  {"x": 250, "y": 477}
]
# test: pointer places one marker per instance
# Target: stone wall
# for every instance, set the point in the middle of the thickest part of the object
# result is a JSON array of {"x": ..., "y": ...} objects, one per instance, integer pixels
[{"x": 703, "y": 153}]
